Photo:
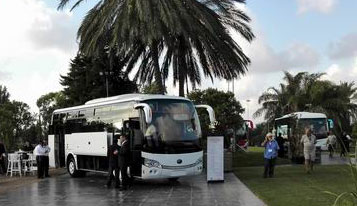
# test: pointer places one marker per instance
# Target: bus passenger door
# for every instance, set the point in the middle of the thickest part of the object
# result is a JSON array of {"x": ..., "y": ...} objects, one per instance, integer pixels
[{"x": 132, "y": 129}]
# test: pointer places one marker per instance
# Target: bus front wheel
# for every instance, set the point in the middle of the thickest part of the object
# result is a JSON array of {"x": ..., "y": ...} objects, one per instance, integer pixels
[{"x": 71, "y": 167}]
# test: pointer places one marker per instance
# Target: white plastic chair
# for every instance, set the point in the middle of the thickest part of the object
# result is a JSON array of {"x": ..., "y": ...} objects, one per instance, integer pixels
[
  {"x": 32, "y": 164},
  {"x": 14, "y": 164}
]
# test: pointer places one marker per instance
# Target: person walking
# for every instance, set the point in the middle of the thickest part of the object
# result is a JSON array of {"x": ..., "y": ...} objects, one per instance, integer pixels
[
  {"x": 309, "y": 141},
  {"x": 270, "y": 154},
  {"x": 124, "y": 160},
  {"x": 46, "y": 160},
  {"x": 113, "y": 157},
  {"x": 2, "y": 158},
  {"x": 39, "y": 152},
  {"x": 331, "y": 143}
]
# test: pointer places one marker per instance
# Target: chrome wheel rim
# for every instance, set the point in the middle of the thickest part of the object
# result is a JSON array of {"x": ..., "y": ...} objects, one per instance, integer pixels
[{"x": 71, "y": 167}]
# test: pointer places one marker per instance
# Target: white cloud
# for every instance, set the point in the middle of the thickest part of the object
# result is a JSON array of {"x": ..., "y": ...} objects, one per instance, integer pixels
[
  {"x": 4, "y": 75},
  {"x": 337, "y": 73},
  {"x": 37, "y": 43},
  {"x": 346, "y": 47},
  {"x": 299, "y": 55},
  {"x": 323, "y": 6}
]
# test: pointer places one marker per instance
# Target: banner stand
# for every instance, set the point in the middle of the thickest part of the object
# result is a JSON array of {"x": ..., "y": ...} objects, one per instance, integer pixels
[{"x": 215, "y": 159}]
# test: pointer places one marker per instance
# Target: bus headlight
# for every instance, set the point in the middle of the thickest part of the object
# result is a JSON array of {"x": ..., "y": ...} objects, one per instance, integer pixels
[
  {"x": 152, "y": 163},
  {"x": 199, "y": 161}
]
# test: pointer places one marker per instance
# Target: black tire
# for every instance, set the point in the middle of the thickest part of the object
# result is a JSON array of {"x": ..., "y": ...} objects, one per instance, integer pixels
[
  {"x": 71, "y": 168},
  {"x": 173, "y": 179}
]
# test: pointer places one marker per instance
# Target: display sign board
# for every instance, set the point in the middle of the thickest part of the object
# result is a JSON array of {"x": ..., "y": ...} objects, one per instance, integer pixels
[{"x": 215, "y": 159}]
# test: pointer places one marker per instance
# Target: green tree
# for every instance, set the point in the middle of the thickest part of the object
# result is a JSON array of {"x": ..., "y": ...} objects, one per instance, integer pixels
[
  {"x": 227, "y": 109},
  {"x": 47, "y": 104},
  {"x": 151, "y": 89},
  {"x": 292, "y": 96},
  {"x": 4, "y": 95},
  {"x": 83, "y": 82},
  {"x": 354, "y": 131},
  {"x": 15, "y": 120},
  {"x": 307, "y": 92},
  {"x": 191, "y": 36}
]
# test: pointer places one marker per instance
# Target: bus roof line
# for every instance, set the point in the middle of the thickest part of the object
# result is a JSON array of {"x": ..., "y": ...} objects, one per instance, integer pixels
[
  {"x": 118, "y": 99},
  {"x": 303, "y": 115}
]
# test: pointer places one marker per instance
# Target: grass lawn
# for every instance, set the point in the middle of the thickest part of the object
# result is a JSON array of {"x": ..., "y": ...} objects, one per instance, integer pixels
[
  {"x": 291, "y": 186},
  {"x": 254, "y": 157}
]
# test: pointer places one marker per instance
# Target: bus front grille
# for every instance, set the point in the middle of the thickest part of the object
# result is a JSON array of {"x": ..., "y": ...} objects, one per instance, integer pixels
[{"x": 178, "y": 166}]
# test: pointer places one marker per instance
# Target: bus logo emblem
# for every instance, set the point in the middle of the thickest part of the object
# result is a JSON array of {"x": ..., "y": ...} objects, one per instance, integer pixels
[{"x": 179, "y": 161}]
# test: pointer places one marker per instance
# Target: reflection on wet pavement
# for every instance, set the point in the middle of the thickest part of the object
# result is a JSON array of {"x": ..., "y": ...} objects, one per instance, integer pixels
[{"x": 64, "y": 190}]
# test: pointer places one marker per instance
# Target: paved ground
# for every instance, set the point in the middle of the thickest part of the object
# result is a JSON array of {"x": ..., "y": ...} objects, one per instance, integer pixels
[
  {"x": 335, "y": 160},
  {"x": 63, "y": 190}
]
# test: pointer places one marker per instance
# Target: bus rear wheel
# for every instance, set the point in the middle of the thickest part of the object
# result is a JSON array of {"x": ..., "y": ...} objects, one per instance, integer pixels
[{"x": 72, "y": 170}]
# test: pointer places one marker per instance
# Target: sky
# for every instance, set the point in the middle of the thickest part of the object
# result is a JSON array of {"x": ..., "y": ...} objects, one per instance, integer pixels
[{"x": 37, "y": 43}]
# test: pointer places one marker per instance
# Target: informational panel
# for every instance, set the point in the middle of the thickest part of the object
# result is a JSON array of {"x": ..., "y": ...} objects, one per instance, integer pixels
[{"x": 215, "y": 159}]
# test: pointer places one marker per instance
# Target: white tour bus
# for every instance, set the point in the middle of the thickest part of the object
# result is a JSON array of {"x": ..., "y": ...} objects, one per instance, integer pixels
[
  {"x": 318, "y": 123},
  {"x": 164, "y": 134},
  {"x": 292, "y": 127}
]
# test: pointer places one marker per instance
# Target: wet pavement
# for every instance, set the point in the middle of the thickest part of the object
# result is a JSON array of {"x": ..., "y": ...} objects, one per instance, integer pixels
[
  {"x": 64, "y": 190},
  {"x": 335, "y": 160}
]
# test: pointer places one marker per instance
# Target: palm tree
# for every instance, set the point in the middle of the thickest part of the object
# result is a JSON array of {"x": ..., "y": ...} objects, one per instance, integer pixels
[
  {"x": 336, "y": 101},
  {"x": 4, "y": 95},
  {"x": 306, "y": 92},
  {"x": 191, "y": 36}
]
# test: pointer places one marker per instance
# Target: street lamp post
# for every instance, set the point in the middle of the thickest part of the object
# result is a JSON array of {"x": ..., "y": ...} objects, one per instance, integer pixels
[{"x": 106, "y": 74}]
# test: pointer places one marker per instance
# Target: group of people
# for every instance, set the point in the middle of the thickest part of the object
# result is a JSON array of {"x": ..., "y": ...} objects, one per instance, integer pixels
[
  {"x": 273, "y": 149},
  {"x": 119, "y": 160}
]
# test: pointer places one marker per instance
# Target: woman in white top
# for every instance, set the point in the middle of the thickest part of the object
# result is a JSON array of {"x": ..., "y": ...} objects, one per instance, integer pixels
[{"x": 309, "y": 141}]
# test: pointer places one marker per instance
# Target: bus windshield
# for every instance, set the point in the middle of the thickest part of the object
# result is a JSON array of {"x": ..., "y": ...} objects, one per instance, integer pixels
[
  {"x": 318, "y": 125},
  {"x": 175, "y": 127}
]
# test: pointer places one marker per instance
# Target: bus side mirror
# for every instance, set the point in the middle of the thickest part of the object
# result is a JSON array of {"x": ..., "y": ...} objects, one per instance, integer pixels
[
  {"x": 147, "y": 111},
  {"x": 211, "y": 114},
  {"x": 330, "y": 123}
]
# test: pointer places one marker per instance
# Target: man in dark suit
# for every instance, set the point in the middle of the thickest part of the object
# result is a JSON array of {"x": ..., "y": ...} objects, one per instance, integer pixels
[
  {"x": 2, "y": 158},
  {"x": 124, "y": 160},
  {"x": 113, "y": 157}
]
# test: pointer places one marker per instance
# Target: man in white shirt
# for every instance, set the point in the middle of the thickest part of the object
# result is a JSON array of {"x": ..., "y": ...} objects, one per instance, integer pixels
[
  {"x": 46, "y": 161},
  {"x": 309, "y": 141},
  {"x": 330, "y": 143},
  {"x": 41, "y": 151}
]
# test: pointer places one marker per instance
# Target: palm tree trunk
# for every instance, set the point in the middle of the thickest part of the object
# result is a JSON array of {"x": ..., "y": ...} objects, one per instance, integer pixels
[
  {"x": 181, "y": 84},
  {"x": 182, "y": 67},
  {"x": 158, "y": 76}
]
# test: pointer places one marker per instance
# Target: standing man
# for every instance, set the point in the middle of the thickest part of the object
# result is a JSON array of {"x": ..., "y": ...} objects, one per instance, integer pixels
[
  {"x": 113, "y": 157},
  {"x": 39, "y": 151},
  {"x": 309, "y": 141},
  {"x": 270, "y": 154},
  {"x": 46, "y": 159},
  {"x": 2, "y": 158},
  {"x": 330, "y": 143},
  {"x": 124, "y": 160}
]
